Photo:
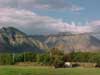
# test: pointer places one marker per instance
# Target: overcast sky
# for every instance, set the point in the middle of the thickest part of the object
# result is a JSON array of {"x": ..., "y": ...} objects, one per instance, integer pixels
[{"x": 51, "y": 16}]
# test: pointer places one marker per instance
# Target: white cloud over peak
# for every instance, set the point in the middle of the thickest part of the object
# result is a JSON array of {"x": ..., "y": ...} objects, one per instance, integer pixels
[
  {"x": 33, "y": 23},
  {"x": 20, "y": 14}
]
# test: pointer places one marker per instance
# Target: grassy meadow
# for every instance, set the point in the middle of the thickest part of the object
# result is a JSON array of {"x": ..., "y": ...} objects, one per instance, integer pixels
[{"x": 31, "y": 70}]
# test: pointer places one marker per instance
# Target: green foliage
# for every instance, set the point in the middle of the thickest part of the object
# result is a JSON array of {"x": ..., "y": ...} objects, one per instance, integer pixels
[
  {"x": 54, "y": 57},
  {"x": 43, "y": 58},
  {"x": 29, "y": 56},
  {"x": 24, "y": 57},
  {"x": 19, "y": 57},
  {"x": 6, "y": 58},
  {"x": 58, "y": 61},
  {"x": 86, "y": 57}
]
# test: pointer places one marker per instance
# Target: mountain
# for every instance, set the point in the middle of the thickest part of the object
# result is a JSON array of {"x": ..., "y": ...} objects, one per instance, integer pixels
[
  {"x": 13, "y": 40},
  {"x": 71, "y": 42}
]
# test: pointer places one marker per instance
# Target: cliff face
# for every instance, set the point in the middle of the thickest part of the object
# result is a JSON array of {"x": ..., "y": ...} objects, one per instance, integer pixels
[
  {"x": 68, "y": 43},
  {"x": 13, "y": 40}
]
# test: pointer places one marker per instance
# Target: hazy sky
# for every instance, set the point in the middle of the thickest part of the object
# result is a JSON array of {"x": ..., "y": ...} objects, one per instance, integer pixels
[{"x": 50, "y": 16}]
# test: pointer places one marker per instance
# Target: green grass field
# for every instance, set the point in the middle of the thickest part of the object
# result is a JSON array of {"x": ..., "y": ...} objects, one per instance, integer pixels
[{"x": 29, "y": 70}]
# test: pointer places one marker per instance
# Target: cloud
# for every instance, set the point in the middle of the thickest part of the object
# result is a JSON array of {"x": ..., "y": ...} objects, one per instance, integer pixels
[
  {"x": 95, "y": 25},
  {"x": 41, "y": 4},
  {"x": 76, "y": 8},
  {"x": 33, "y": 23},
  {"x": 19, "y": 14}
]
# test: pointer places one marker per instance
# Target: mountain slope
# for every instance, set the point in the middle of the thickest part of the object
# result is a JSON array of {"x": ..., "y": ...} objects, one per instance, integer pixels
[
  {"x": 69, "y": 42},
  {"x": 13, "y": 40}
]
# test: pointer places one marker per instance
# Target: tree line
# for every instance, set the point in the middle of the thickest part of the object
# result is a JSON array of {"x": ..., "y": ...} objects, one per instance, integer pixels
[{"x": 53, "y": 57}]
